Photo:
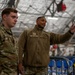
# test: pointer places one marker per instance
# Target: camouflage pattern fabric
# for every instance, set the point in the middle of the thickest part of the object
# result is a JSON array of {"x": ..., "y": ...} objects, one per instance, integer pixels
[
  {"x": 8, "y": 52},
  {"x": 36, "y": 71},
  {"x": 13, "y": 73}
]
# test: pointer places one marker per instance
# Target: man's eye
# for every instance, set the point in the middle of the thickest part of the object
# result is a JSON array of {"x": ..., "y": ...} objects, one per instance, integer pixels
[
  {"x": 14, "y": 17},
  {"x": 43, "y": 21}
]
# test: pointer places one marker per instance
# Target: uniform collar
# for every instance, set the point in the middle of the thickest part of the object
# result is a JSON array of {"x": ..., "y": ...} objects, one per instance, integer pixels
[
  {"x": 6, "y": 29},
  {"x": 38, "y": 28}
]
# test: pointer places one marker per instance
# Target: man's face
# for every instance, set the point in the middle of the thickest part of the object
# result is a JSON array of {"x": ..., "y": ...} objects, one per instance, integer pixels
[
  {"x": 41, "y": 22},
  {"x": 11, "y": 19}
]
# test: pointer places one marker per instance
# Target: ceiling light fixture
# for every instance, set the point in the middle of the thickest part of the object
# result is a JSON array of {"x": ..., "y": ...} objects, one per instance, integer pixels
[
  {"x": 19, "y": 14},
  {"x": 52, "y": 18}
]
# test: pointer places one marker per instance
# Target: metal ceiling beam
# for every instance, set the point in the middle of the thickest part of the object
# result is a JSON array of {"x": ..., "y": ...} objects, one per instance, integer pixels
[
  {"x": 11, "y": 3},
  {"x": 48, "y": 9},
  {"x": 16, "y": 3},
  {"x": 28, "y": 13},
  {"x": 72, "y": 18}
]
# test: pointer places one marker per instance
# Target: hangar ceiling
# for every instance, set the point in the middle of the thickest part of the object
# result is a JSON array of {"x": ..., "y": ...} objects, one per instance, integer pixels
[{"x": 29, "y": 10}]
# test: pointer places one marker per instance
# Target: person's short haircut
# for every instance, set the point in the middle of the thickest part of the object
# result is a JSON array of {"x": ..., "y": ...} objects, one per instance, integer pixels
[
  {"x": 40, "y": 17},
  {"x": 8, "y": 10}
]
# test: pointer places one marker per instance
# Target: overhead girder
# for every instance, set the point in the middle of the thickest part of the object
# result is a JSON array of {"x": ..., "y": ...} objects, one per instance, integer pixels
[{"x": 11, "y": 3}]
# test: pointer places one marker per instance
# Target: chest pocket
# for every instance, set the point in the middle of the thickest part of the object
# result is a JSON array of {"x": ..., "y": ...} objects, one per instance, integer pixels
[
  {"x": 43, "y": 39},
  {"x": 33, "y": 38},
  {"x": 8, "y": 41},
  {"x": 6, "y": 38},
  {"x": 8, "y": 44}
]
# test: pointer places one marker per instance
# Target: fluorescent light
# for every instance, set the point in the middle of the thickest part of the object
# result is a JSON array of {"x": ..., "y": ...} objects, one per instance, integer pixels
[
  {"x": 19, "y": 14},
  {"x": 52, "y": 18}
]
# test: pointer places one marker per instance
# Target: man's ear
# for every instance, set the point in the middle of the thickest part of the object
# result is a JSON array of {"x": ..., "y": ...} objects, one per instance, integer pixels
[{"x": 4, "y": 17}]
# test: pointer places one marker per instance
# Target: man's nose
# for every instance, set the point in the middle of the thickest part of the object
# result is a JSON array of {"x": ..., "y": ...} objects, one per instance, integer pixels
[
  {"x": 44, "y": 22},
  {"x": 15, "y": 19}
]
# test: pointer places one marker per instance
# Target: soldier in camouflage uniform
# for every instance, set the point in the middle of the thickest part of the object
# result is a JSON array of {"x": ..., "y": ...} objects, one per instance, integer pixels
[
  {"x": 34, "y": 47},
  {"x": 8, "y": 53}
]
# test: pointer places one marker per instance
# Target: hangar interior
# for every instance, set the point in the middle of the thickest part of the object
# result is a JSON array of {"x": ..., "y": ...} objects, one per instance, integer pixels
[{"x": 58, "y": 20}]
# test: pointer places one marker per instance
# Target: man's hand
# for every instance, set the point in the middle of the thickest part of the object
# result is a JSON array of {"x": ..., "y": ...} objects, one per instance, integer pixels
[
  {"x": 72, "y": 29},
  {"x": 21, "y": 68}
]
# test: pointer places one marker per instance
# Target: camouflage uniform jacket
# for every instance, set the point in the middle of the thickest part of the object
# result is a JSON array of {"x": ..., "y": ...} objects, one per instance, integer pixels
[
  {"x": 35, "y": 45},
  {"x": 8, "y": 55}
]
